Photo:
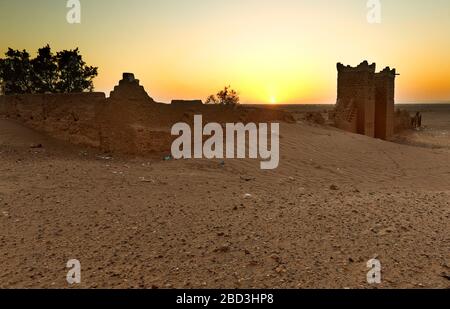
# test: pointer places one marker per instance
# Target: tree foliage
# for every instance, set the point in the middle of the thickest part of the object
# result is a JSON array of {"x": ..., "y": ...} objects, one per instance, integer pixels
[
  {"x": 227, "y": 96},
  {"x": 74, "y": 74},
  {"x": 45, "y": 71},
  {"x": 16, "y": 72},
  {"x": 64, "y": 72}
]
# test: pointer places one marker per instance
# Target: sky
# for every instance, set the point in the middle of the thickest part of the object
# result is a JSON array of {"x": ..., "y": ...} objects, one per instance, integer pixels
[{"x": 270, "y": 51}]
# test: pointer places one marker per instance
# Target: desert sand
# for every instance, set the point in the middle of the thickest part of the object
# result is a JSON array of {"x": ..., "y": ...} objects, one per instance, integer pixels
[{"x": 336, "y": 201}]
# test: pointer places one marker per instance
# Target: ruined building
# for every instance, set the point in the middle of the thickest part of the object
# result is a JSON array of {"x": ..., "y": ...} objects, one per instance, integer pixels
[
  {"x": 129, "y": 88},
  {"x": 366, "y": 100},
  {"x": 129, "y": 121}
]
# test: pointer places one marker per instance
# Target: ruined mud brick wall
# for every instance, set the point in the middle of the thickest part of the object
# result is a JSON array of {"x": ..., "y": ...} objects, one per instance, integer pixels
[
  {"x": 128, "y": 122},
  {"x": 130, "y": 89},
  {"x": 366, "y": 100},
  {"x": 133, "y": 127},
  {"x": 402, "y": 121},
  {"x": 186, "y": 103},
  {"x": 131, "y": 122},
  {"x": 345, "y": 116},
  {"x": 385, "y": 103},
  {"x": 139, "y": 127},
  {"x": 69, "y": 117},
  {"x": 356, "y": 90}
]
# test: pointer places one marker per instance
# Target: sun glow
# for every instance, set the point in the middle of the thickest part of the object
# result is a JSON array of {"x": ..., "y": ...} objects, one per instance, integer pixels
[{"x": 271, "y": 52}]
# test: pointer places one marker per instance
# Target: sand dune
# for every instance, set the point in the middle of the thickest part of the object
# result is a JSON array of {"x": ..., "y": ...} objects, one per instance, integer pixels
[{"x": 336, "y": 201}]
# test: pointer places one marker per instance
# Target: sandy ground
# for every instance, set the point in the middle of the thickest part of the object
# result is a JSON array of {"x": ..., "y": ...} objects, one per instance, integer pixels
[{"x": 336, "y": 201}]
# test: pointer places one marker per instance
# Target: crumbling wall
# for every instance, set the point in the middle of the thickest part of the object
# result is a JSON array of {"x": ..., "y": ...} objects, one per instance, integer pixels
[
  {"x": 365, "y": 100},
  {"x": 384, "y": 103},
  {"x": 69, "y": 117},
  {"x": 402, "y": 121},
  {"x": 356, "y": 91},
  {"x": 129, "y": 121},
  {"x": 345, "y": 116},
  {"x": 133, "y": 127},
  {"x": 130, "y": 89},
  {"x": 186, "y": 103}
]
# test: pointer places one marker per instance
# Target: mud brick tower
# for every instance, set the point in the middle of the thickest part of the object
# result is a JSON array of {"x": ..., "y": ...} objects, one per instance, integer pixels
[{"x": 365, "y": 100}]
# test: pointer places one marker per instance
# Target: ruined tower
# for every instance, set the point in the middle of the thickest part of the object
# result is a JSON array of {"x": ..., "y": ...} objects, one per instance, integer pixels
[
  {"x": 356, "y": 93},
  {"x": 130, "y": 89},
  {"x": 385, "y": 103},
  {"x": 365, "y": 100}
]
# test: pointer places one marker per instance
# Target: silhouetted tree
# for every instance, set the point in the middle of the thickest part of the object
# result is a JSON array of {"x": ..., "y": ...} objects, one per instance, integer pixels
[
  {"x": 227, "y": 96},
  {"x": 211, "y": 99},
  {"x": 16, "y": 72},
  {"x": 74, "y": 74},
  {"x": 64, "y": 72},
  {"x": 45, "y": 71}
]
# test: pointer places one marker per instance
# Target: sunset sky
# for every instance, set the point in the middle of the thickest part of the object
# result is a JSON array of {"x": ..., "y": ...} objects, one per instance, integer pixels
[{"x": 282, "y": 51}]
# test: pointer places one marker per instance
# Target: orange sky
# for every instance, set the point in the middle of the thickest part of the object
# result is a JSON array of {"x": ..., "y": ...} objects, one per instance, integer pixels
[{"x": 282, "y": 51}]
